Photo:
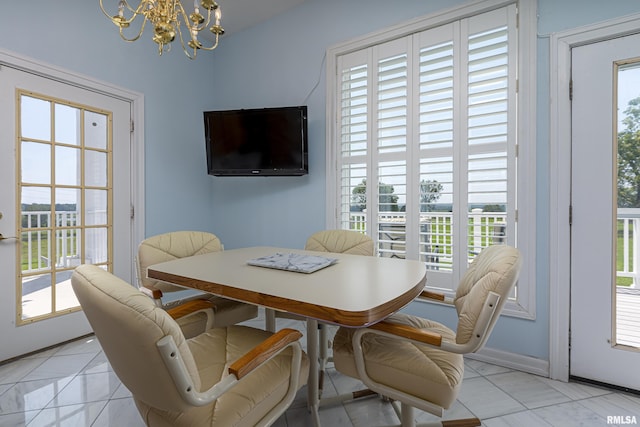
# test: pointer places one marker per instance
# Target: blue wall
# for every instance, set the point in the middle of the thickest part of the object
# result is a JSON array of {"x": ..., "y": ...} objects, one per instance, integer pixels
[{"x": 280, "y": 62}]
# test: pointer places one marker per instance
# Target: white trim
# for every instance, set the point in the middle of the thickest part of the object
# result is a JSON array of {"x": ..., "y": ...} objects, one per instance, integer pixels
[
  {"x": 515, "y": 361},
  {"x": 525, "y": 307},
  {"x": 136, "y": 100},
  {"x": 418, "y": 24},
  {"x": 560, "y": 179}
]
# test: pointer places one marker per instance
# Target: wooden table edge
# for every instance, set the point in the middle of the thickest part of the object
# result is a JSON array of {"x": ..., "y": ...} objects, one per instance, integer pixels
[{"x": 321, "y": 313}]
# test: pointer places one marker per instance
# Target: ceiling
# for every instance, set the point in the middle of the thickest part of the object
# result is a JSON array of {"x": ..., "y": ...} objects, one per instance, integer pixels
[{"x": 238, "y": 15}]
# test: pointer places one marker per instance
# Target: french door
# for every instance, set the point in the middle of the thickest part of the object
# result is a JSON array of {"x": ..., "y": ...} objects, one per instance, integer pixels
[
  {"x": 605, "y": 231},
  {"x": 61, "y": 203}
]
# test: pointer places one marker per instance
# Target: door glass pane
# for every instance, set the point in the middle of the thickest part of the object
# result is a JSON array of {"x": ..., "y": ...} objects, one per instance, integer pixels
[
  {"x": 36, "y": 295},
  {"x": 67, "y": 206},
  {"x": 65, "y": 297},
  {"x": 67, "y": 124},
  {"x": 36, "y": 163},
  {"x": 96, "y": 207},
  {"x": 36, "y": 251},
  {"x": 95, "y": 169},
  {"x": 97, "y": 248},
  {"x": 96, "y": 130},
  {"x": 32, "y": 197},
  {"x": 35, "y": 120},
  {"x": 55, "y": 213},
  {"x": 627, "y": 287},
  {"x": 67, "y": 166}
]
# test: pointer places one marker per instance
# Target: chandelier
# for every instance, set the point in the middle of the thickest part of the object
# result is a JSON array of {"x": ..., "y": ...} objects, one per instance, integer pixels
[{"x": 166, "y": 17}]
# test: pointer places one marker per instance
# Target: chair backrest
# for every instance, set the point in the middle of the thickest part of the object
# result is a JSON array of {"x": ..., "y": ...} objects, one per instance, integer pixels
[
  {"x": 169, "y": 246},
  {"x": 490, "y": 277},
  {"x": 340, "y": 241},
  {"x": 128, "y": 325}
]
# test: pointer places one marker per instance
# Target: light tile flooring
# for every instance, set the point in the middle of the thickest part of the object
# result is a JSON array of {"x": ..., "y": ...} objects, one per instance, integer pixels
[{"x": 73, "y": 385}]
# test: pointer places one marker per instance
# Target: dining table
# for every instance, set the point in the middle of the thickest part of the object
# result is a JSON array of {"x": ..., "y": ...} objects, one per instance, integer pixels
[{"x": 352, "y": 290}]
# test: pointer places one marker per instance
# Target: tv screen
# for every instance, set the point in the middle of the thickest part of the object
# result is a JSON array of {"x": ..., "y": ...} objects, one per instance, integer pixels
[{"x": 257, "y": 142}]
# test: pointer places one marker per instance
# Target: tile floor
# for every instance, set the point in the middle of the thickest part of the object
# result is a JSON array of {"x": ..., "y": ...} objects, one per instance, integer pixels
[{"x": 73, "y": 385}]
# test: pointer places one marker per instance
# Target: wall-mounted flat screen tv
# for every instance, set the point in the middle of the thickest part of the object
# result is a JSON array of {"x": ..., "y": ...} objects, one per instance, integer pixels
[{"x": 257, "y": 142}]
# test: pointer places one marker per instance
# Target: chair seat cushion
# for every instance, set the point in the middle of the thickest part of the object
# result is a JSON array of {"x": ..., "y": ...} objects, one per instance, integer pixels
[
  {"x": 246, "y": 403},
  {"x": 419, "y": 370}
]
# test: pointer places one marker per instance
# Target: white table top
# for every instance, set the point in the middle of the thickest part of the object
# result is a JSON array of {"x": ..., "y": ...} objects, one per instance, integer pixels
[{"x": 356, "y": 291}]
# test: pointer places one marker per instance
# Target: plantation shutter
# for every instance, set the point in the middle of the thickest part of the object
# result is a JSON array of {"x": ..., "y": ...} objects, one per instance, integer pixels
[
  {"x": 391, "y": 141},
  {"x": 427, "y": 161}
]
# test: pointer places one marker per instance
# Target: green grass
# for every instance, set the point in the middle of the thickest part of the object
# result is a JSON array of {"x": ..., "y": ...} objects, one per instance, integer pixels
[
  {"x": 44, "y": 243},
  {"x": 623, "y": 281}
]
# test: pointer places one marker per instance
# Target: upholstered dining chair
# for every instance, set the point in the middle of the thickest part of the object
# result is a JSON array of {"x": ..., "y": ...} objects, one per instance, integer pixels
[
  {"x": 419, "y": 362},
  {"x": 337, "y": 241},
  {"x": 235, "y": 375},
  {"x": 196, "y": 313}
]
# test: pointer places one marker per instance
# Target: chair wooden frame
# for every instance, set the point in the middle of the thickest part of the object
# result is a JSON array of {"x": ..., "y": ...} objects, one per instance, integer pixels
[{"x": 184, "y": 307}]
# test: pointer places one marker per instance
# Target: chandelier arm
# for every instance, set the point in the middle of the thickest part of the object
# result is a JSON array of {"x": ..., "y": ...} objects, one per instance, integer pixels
[
  {"x": 131, "y": 9},
  {"x": 104, "y": 11},
  {"x": 137, "y": 36},
  {"x": 184, "y": 48},
  {"x": 215, "y": 45},
  {"x": 207, "y": 21},
  {"x": 135, "y": 12}
]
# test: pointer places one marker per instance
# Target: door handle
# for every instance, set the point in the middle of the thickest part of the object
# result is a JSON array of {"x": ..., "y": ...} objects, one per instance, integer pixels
[{"x": 7, "y": 238}]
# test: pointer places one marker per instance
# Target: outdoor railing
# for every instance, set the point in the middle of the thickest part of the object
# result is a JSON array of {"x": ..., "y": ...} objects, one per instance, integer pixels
[
  {"x": 486, "y": 228},
  {"x": 37, "y": 250},
  {"x": 627, "y": 246}
]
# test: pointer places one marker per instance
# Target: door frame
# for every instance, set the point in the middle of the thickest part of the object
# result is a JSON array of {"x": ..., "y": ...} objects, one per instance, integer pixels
[
  {"x": 135, "y": 99},
  {"x": 561, "y": 45}
]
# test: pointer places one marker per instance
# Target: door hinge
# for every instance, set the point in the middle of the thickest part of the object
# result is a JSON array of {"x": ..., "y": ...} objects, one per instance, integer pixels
[
  {"x": 570, "y": 214},
  {"x": 132, "y": 212},
  {"x": 571, "y": 90},
  {"x": 131, "y": 126}
]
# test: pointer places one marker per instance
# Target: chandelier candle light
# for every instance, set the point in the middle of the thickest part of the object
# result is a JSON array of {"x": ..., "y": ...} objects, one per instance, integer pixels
[{"x": 165, "y": 16}]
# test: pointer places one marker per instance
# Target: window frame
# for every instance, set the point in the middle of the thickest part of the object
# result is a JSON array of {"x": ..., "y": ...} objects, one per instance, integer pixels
[
  {"x": 74, "y": 227},
  {"x": 524, "y": 304}
]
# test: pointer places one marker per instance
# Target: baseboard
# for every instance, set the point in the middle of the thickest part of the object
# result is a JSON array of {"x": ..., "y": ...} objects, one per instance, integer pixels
[{"x": 515, "y": 361}]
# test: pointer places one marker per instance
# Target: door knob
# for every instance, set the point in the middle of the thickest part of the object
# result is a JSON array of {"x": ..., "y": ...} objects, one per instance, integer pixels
[{"x": 7, "y": 238}]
